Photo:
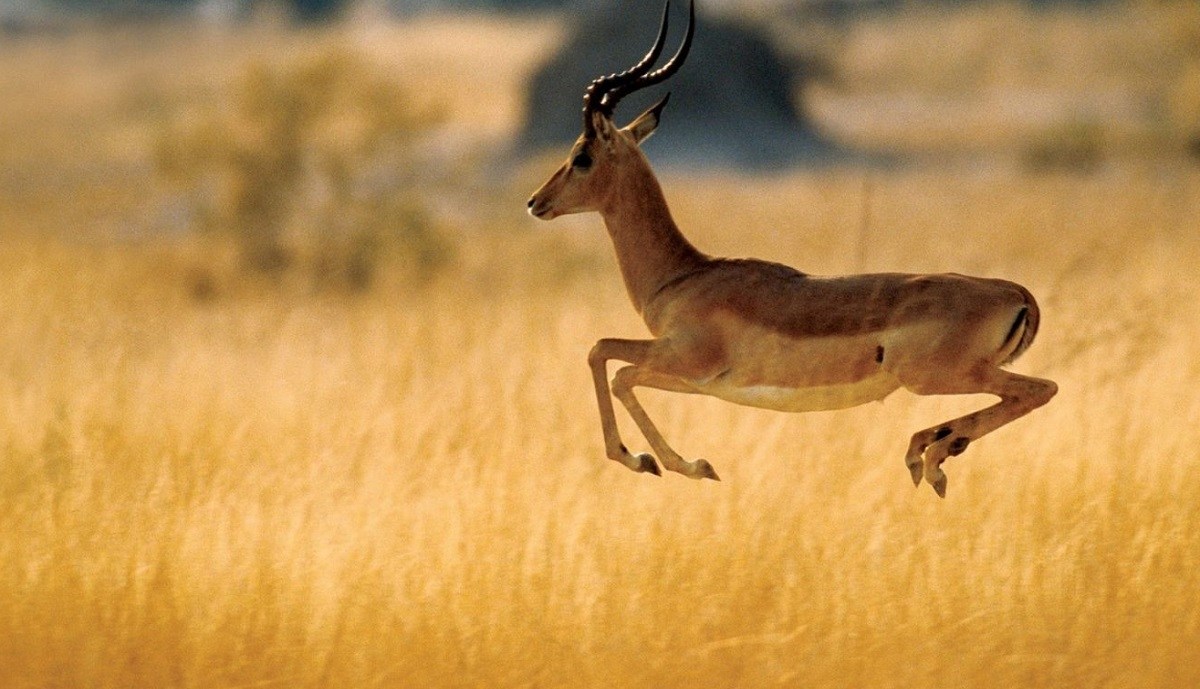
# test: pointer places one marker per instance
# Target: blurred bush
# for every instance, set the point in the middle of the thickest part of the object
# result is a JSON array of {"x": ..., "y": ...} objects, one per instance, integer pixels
[
  {"x": 308, "y": 167},
  {"x": 1077, "y": 144},
  {"x": 1185, "y": 108}
]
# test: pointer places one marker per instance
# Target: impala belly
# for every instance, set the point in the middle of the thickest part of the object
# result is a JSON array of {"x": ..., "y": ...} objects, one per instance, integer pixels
[
  {"x": 771, "y": 371},
  {"x": 815, "y": 398}
]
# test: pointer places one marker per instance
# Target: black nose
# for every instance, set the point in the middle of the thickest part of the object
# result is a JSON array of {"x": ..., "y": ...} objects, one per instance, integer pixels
[{"x": 530, "y": 204}]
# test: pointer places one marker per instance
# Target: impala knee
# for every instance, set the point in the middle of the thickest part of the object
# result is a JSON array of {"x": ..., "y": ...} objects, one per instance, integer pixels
[{"x": 596, "y": 358}]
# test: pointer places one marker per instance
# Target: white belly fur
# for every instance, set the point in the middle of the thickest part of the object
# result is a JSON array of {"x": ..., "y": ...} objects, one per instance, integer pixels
[{"x": 819, "y": 398}]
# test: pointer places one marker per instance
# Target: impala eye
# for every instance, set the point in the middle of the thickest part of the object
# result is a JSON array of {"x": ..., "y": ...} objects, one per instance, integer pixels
[{"x": 581, "y": 161}]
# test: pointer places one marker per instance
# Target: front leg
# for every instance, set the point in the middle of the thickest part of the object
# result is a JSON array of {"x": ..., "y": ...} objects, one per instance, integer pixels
[
  {"x": 632, "y": 351},
  {"x": 623, "y": 384}
]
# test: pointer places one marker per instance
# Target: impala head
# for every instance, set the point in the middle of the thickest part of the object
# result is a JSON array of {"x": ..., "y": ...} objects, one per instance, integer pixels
[{"x": 605, "y": 152}]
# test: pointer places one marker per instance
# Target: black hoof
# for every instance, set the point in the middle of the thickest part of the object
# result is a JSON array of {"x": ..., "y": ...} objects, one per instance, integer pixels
[
  {"x": 705, "y": 470},
  {"x": 646, "y": 464},
  {"x": 939, "y": 486}
]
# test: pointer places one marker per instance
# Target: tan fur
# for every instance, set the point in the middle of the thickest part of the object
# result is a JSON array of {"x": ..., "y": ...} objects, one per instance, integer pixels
[{"x": 766, "y": 335}]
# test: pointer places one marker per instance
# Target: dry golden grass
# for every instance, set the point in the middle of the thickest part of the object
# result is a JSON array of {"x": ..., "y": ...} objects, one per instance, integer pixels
[
  {"x": 403, "y": 491},
  {"x": 276, "y": 489}
]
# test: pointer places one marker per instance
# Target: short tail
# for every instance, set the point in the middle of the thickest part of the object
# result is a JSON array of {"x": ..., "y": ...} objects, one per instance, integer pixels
[{"x": 1024, "y": 328}]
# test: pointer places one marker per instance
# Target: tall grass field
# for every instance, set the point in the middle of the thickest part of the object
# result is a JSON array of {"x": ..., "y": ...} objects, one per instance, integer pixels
[{"x": 210, "y": 478}]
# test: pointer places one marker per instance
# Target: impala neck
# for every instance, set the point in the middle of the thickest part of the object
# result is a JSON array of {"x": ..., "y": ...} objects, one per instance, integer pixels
[{"x": 650, "y": 248}]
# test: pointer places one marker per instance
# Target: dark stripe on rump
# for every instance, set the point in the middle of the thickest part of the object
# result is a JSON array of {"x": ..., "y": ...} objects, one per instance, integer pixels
[{"x": 1012, "y": 341}]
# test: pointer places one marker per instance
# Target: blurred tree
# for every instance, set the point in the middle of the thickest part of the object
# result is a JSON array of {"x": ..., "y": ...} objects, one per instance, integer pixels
[
  {"x": 318, "y": 10},
  {"x": 733, "y": 102}
]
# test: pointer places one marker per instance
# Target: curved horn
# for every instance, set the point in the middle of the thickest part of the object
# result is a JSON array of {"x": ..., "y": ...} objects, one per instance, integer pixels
[
  {"x": 595, "y": 97},
  {"x": 614, "y": 95}
]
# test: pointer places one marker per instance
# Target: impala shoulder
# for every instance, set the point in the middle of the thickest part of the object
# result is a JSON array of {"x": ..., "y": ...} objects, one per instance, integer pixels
[
  {"x": 714, "y": 285},
  {"x": 732, "y": 270},
  {"x": 754, "y": 269}
]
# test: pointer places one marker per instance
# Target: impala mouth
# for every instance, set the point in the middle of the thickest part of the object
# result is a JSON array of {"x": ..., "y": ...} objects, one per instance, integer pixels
[{"x": 540, "y": 209}]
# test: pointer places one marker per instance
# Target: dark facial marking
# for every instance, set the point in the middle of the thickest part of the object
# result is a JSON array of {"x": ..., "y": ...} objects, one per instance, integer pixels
[{"x": 942, "y": 432}]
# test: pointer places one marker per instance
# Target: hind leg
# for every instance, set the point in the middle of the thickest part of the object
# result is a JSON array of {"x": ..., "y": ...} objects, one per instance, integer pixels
[{"x": 929, "y": 448}]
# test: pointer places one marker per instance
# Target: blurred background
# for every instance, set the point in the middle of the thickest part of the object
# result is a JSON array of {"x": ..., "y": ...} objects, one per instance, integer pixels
[
  {"x": 293, "y": 392},
  {"x": 372, "y": 126}
]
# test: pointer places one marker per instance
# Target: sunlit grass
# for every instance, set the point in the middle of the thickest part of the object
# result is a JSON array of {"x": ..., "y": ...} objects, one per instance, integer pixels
[{"x": 399, "y": 490}]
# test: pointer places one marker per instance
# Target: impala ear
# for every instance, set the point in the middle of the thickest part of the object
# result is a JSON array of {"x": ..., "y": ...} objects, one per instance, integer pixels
[{"x": 644, "y": 124}]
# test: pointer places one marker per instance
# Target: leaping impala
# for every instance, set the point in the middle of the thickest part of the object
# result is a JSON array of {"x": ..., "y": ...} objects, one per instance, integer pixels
[{"x": 764, "y": 334}]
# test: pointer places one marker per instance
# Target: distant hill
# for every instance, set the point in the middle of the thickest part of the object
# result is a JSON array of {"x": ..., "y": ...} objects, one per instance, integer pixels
[{"x": 732, "y": 103}]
